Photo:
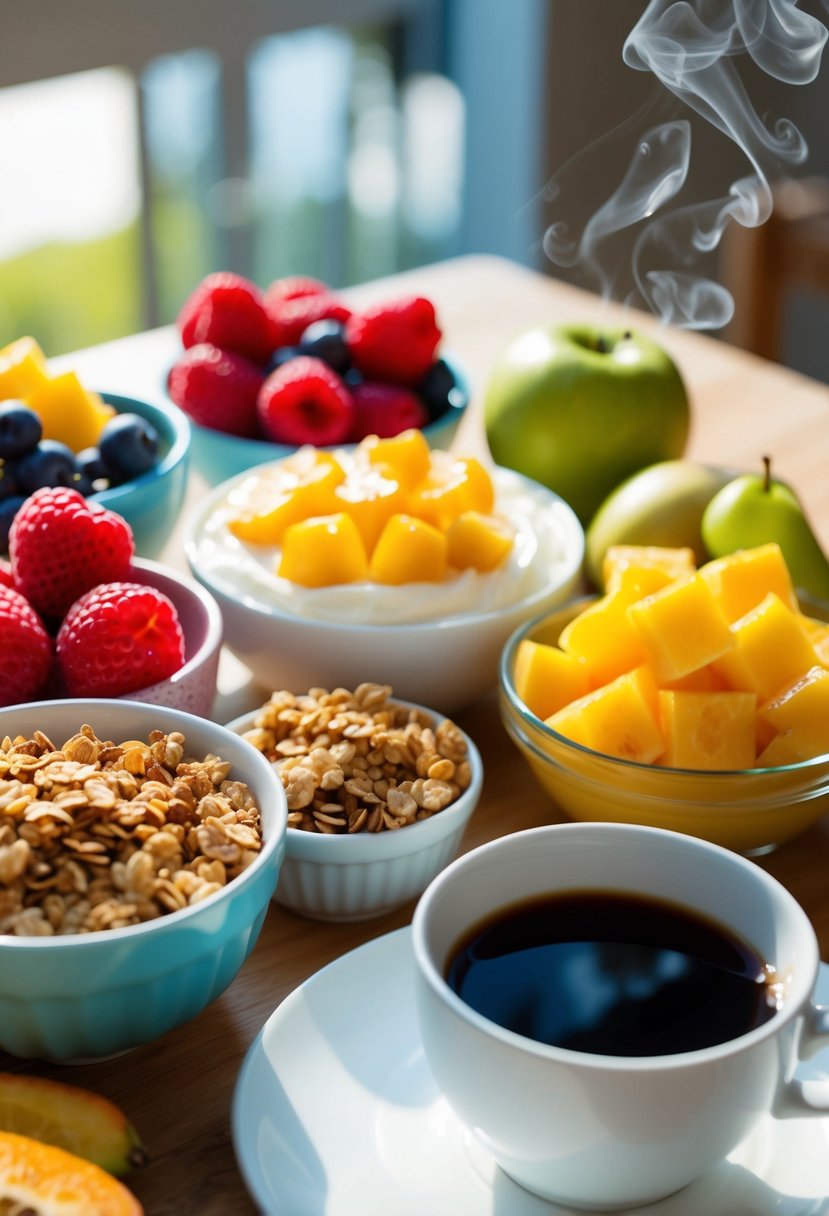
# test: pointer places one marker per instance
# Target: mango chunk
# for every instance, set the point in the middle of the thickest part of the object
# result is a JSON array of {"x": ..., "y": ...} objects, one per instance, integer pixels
[
  {"x": 322, "y": 551},
  {"x": 681, "y": 628},
  {"x": 69, "y": 413},
  {"x": 802, "y": 707},
  {"x": 409, "y": 551},
  {"x": 789, "y": 748},
  {"x": 603, "y": 638},
  {"x": 480, "y": 541},
  {"x": 370, "y": 496},
  {"x": 262, "y": 507},
  {"x": 619, "y": 719},
  {"x": 407, "y": 455},
  {"x": 22, "y": 369},
  {"x": 453, "y": 485},
  {"x": 547, "y": 679},
  {"x": 623, "y": 563},
  {"x": 741, "y": 580},
  {"x": 771, "y": 649},
  {"x": 708, "y": 730}
]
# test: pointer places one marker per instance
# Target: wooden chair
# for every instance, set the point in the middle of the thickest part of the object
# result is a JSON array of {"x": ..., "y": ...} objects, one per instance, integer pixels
[{"x": 761, "y": 266}]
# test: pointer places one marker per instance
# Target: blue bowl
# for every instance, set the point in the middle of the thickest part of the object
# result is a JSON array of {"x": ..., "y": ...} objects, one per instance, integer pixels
[
  {"x": 92, "y": 995},
  {"x": 217, "y": 455},
  {"x": 151, "y": 503}
]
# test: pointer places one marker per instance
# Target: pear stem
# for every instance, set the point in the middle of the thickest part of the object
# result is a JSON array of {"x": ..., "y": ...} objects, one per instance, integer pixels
[{"x": 766, "y": 474}]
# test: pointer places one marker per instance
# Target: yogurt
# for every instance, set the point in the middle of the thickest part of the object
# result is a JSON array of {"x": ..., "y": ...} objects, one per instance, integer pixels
[{"x": 546, "y": 533}]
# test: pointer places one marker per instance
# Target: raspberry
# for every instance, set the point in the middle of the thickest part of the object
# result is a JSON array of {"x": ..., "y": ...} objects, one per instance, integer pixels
[
  {"x": 25, "y": 649},
  {"x": 229, "y": 312},
  {"x": 294, "y": 287},
  {"x": 217, "y": 389},
  {"x": 6, "y": 576},
  {"x": 117, "y": 638},
  {"x": 303, "y": 401},
  {"x": 394, "y": 341},
  {"x": 61, "y": 544},
  {"x": 385, "y": 410},
  {"x": 291, "y": 317}
]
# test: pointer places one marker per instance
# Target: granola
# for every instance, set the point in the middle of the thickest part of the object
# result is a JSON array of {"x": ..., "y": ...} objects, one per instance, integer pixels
[
  {"x": 99, "y": 835},
  {"x": 357, "y": 761}
]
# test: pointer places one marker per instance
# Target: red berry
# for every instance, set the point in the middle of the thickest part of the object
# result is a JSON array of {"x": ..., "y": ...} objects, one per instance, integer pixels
[
  {"x": 385, "y": 410},
  {"x": 117, "y": 638},
  {"x": 6, "y": 576},
  {"x": 291, "y": 317},
  {"x": 227, "y": 311},
  {"x": 25, "y": 649},
  {"x": 293, "y": 287},
  {"x": 304, "y": 401},
  {"x": 394, "y": 341},
  {"x": 217, "y": 389},
  {"x": 61, "y": 544}
]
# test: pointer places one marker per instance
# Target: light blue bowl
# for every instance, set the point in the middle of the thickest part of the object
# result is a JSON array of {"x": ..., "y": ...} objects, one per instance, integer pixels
[
  {"x": 218, "y": 456},
  {"x": 88, "y": 996},
  {"x": 152, "y": 502}
]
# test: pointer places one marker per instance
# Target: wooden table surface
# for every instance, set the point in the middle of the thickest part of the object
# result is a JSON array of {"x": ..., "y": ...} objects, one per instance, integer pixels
[{"x": 178, "y": 1090}]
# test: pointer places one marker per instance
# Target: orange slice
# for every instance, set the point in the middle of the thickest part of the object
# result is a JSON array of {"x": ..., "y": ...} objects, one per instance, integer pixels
[{"x": 52, "y": 1182}]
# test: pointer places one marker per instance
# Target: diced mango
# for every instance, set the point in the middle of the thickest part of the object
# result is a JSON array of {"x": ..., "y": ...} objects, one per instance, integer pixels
[
  {"x": 263, "y": 506},
  {"x": 771, "y": 649},
  {"x": 708, "y": 730},
  {"x": 453, "y": 485},
  {"x": 741, "y": 580},
  {"x": 701, "y": 679},
  {"x": 69, "y": 413},
  {"x": 802, "y": 707},
  {"x": 22, "y": 369},
  {"x": 407, "y": 455},
  {"x": 619, "y": 719},
  {"x": 370, "y": 496},
  {"x": 409, "y": 550},
  {"x": 789, "y": 748},
  {"x": 645, "y": 562},
  {"x": 546, "y": 678},
  {"x": 479, "y": 541},
  {"x": 323, "y": 550},
  {"x": 681, "y": 628},
  {"x": 603, "y": 638}
]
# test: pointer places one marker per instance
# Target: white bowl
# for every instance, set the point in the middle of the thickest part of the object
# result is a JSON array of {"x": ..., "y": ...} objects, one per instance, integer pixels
[
  {"x": 366, "y": 874},
  {"x": 446, "y": 663}
]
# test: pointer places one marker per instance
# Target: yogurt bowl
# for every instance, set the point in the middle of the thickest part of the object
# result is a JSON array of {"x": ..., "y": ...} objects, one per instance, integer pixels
[{"x": 436, "y": 643}]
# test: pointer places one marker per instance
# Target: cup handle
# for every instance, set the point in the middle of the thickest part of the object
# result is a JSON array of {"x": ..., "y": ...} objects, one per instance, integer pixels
[{"x": 803, "y": 1097}]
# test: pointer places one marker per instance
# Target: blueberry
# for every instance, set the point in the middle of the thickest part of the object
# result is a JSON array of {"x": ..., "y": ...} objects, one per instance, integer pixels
[
  {"x": 129, "y": 446},
  {"x": 50, "y": 464},
  {"x": 281, "y": 355},
  {"x": 353, "y": 377},
  {"x": 439, "y": 389},
  {"x": 20, "y": 429},
  {"x": 8, "y": 510},
  {"x": 8, "y": 479},
  {"x": 326, "y": 340},
  {"x": 91, "y": 466}
]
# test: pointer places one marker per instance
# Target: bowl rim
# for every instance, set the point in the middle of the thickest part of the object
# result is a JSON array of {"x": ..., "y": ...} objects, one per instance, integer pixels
[
  {"x": 572, "y": 562},
  {"x": 318, "y": 846},
  {"x": 170, "y": 921},
  {"x": 213, "y": 634},
  {"x": 532, "y": 721},
  {"x": 179, "y": 426},
  {"x": 434, "y": 426}
]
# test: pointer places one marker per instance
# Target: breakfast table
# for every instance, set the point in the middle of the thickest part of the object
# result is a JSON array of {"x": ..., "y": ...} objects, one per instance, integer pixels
[{"x": 178, "y": 1090}]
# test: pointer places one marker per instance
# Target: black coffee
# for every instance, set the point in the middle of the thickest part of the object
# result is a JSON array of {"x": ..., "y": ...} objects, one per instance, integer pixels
[{"x": 612, "y": 974}]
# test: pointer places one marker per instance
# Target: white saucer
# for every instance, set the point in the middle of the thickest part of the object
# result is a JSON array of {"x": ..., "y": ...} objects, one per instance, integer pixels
[{"x": 336, "y": 1114}]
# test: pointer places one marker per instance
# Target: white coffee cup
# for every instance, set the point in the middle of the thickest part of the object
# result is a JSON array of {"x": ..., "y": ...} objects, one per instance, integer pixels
[{"x": 603, "y": 1131}]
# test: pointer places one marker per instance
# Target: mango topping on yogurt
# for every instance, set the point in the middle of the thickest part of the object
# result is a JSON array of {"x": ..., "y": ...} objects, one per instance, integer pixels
[{"x": 394, "y": 512}]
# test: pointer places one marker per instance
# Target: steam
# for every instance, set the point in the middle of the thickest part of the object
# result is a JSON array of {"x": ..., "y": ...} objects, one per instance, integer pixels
[{"x": 692, "y": 47}]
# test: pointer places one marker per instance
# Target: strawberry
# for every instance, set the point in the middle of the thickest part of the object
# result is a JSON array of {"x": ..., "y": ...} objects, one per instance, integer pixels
[
  {"x": 61, "y": 544},
  {"x": 394, "y": 341},
  {"x": 25, "y": 649},
  {"x": 385, "y": 410},
  {"x": 227, "y": 311},
  {"x": 291, "y": 317},
  {"x": 117, "y": 638},
  {"x": 304, "y": 401},
  {"x": 217, "y": 389}
]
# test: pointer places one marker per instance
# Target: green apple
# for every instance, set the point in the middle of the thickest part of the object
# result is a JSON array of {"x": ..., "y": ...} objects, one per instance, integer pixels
[
  {"x": 579, "y": 409},
  {"x": 755, "y": 509},
  {"x": 660, "y": 505}
]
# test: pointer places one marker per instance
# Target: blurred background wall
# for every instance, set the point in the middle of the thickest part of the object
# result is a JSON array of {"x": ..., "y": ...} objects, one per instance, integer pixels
[{"x": 145, "y": 145}]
